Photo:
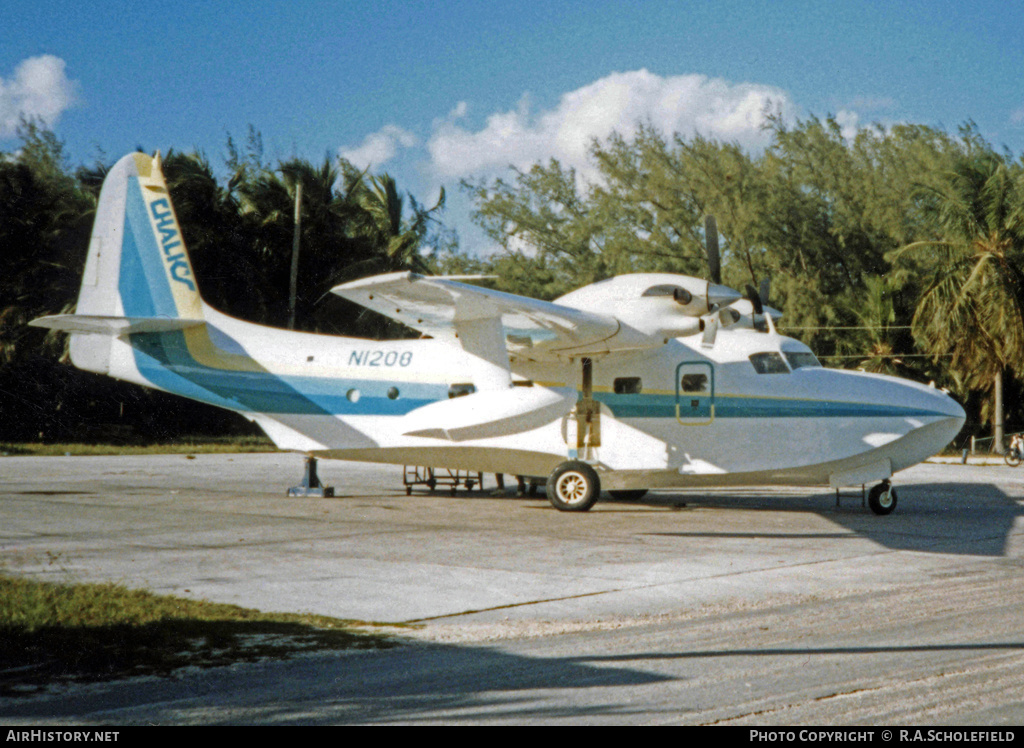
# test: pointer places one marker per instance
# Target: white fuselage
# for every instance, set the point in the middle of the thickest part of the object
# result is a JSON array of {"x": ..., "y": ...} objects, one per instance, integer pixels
[{"x": 677, "y": 415}]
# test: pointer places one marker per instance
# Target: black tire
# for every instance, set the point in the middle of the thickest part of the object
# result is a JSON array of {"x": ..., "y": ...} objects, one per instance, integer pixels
[
  {"x": 1012, "y": 458},
  {"x": 573, "y": 487},
  {"x": 632, "y": 495},
  {"x": 882, "y": 499}
]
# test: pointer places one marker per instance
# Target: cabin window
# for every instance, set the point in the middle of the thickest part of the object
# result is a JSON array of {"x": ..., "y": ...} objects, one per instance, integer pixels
[
  {"x": 800, "y": 360},
  {"x": 627, "y": 386},
  {"x": 694, "y": 383},
  {"x": 393, "y": 393},
  {"x": 353, "y": 395},
  {"x": 460, "y": 390},
  {"x": 769, "y": 363}
]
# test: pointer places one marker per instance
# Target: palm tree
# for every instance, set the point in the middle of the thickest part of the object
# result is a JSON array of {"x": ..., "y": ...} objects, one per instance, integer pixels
[
  {"x": 220, "y": 243},
  {"x": 268, "y": 202},
  {"x": 877, "y": 337},
  {"x": 395, "y": 242},
  {"x": 45, "y": 219},
  {"x": 972, "y": 305}
]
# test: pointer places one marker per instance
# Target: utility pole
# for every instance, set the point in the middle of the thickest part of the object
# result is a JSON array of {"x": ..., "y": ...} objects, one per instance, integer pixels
[
  {"x": 997, "y": 442},
  {"x": 294, "y": 284}
]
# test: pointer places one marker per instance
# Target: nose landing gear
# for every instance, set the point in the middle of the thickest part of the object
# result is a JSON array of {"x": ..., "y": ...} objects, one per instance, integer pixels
[{"x": 882, "y": 498}]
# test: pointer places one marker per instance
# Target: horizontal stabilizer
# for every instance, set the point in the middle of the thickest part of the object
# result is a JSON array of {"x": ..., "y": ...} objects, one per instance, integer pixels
[
  {"x": 484, "y": 415},
  {"x": 104, "y": 325}
]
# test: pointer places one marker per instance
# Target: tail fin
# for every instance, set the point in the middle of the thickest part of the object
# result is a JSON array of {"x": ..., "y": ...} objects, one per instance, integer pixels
[
  {"x": 137, "y": 273},
  {"x": 137, "y": 265}
]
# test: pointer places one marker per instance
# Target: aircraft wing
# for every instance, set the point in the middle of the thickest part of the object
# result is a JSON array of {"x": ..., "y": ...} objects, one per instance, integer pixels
[{"x": 443, "y": 307}]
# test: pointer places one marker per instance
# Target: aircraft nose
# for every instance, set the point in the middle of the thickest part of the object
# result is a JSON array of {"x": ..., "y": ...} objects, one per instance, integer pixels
[
  {"x": 955, "y": 416},
  {"x": 920, "y": 420},
  {"x": 933, "y": 434}
]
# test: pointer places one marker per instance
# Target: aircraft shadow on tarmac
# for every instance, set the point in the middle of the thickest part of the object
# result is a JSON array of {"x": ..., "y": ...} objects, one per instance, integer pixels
[
  {"x": 968, "y": 519},
  {"x": 973, "y": 519},
  {"x": 441, "y": 681}
]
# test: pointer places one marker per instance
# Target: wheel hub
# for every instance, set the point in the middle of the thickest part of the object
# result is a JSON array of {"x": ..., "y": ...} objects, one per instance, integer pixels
[{"x": 572, "y": 488}]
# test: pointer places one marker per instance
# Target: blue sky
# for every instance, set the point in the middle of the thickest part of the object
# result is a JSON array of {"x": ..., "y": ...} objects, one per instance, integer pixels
[{"x": 435, "y": 92}]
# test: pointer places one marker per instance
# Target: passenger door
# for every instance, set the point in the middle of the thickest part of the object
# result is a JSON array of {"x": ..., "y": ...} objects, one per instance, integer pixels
[{"x": 695, "y": 393}]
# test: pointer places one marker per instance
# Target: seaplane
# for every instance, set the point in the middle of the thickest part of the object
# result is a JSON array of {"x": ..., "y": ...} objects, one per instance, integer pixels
[{"x": 638, "y": 382}]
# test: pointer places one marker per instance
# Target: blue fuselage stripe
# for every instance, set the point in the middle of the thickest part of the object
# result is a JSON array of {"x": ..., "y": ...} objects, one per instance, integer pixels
[
  {"x": 165, "y": 360},
  {"x": 726, "y": 406}
]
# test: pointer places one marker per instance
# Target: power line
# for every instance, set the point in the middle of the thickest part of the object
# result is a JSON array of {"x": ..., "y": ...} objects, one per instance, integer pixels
[
  {"x": 853, "y": 327},
  {"x": 889, "y": 355}
]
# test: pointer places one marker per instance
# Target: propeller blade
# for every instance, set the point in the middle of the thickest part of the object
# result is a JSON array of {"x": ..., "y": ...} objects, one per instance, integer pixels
[
  {"x": 710, "y": 331},
  {"x": 711, "y": 238},
  {"x": 754, "y": 299},
  {"x": 765, "y": 288}
]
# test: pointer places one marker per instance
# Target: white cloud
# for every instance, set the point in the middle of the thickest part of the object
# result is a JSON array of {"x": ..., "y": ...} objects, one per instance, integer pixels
[
  {"x": 686, "y": 104},
  {"x": 849, "y": 123},
  {"x": 379, "y": 147},
  {"x": 39, "y": 89}
]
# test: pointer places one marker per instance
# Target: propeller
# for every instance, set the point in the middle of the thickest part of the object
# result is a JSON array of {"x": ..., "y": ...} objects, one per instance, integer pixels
[
  {"x": 722, "y": 314},
  {"x": 711, "y": 242},
  {"x": 710, "y": 322},
  {"x": 719, "y": 301},
  {"x": 709, "y": 325},
  {"x": 761, "y": 313},
  {"x": 719, "y": 296}
]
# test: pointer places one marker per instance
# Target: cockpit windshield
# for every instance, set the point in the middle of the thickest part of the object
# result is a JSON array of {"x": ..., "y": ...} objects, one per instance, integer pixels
[
  {"x": 801, "y": 359},
  {"x": 769, "y": 363}
]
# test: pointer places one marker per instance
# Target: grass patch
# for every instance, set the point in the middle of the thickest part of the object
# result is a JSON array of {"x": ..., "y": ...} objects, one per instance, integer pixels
[
  {"x": 204, "y": 445},
  {"x": 76, "y": 633}
]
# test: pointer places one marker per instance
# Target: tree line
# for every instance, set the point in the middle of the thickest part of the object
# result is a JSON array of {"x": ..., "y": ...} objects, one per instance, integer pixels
[
  {"x": 239, "y": 232},
  {"x": 895, "y": 250}
]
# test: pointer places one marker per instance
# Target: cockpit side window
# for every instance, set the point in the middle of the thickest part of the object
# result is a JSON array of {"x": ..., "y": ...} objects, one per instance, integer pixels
[
  {"x": 801, "y": 359},
  {"x": 627, "y": 386},
  {"x": 769, "y": 363}
]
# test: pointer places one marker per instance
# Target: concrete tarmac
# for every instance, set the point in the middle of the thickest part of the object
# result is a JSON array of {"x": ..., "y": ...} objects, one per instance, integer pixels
[{"x": 480, "y": 569}]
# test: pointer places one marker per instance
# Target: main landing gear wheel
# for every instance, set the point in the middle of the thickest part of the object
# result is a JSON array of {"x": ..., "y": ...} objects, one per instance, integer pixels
[
  {"x": 573, "y": 487},
  {"x": 882, "y": 498},
  {"x": 630, "y": 495}
]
